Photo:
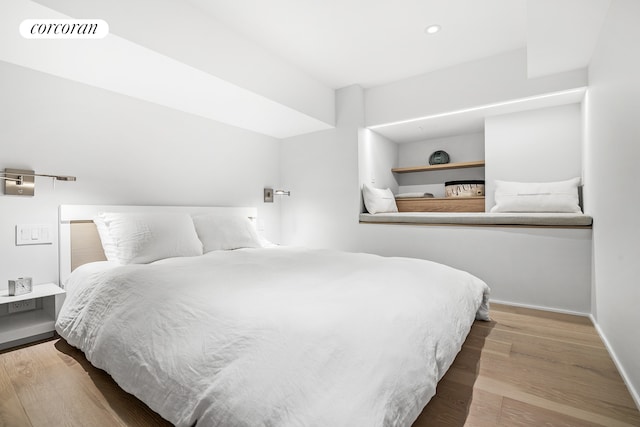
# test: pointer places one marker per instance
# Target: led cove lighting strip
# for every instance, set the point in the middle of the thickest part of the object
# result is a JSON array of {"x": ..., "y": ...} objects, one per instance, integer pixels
[{"x": 482, "y": 107}]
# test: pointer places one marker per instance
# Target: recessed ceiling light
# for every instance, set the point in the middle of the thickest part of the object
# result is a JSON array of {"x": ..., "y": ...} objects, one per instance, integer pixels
[{"x": 432, "y": 29}]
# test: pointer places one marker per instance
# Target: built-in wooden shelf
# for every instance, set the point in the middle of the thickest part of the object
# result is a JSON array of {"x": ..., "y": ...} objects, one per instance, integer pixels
[
  {"x": 425, "y": 168},
  {"x": 447, "y": 204}
]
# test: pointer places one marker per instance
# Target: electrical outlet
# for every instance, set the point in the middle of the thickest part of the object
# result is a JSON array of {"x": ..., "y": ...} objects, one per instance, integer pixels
[{"x": 24, "y": 305}]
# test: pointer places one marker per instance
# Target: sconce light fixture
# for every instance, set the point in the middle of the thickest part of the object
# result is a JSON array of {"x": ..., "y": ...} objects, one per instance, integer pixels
[
  {"x": 20, "y": 182},
  {"x": 269, "y": 193}
]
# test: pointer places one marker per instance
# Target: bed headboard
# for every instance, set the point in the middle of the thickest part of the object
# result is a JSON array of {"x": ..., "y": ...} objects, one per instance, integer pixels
[{"x": 79, "y": 240}]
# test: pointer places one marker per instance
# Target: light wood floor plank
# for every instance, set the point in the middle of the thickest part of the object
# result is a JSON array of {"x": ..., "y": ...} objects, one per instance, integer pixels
[
  {"x": 547, "y": 367},
  {"x": 48, "y": 393},
  {"x": 528, "y": 328},
  {"x": 488, "y": 345},
  {"x": 559, "y": 351},
  {"x": 11, "y": 411},
  {"x": 558, "y": 319},
  {"x": 127, "y": 409},
  {"x": 582, "y": 412},
  {"x": 455, "y": 405},
  {"x": 565, "y": 384},
  {"x": 515, "y": 413}
]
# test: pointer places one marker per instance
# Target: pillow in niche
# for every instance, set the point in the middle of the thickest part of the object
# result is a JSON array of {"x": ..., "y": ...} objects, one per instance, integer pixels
[
  {"x": 557, "y": 196},
  {"x": 377, "y": 200}
]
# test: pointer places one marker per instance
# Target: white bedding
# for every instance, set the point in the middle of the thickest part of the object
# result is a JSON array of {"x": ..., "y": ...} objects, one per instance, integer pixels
[{"x": 275, "y": 336}]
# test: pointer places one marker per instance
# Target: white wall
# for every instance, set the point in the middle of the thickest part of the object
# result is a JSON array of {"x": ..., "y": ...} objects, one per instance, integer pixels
[
  {"x": 611, "y": 177},
  {"x": 321, "y": 170},
  {"x": 461, "y": 148},
  {"x": 123, "y": 151},
  {"x": 547, "y": 268},
  {"x": 486, "y": 81},
  {"x": 377, "y": 156},
  {"x": 542, "y": 267},
  {"x": 533, "y": 146}
]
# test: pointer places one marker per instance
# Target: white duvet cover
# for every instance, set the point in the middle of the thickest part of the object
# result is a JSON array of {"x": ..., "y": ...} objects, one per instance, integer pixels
[{"x": 275, "y": 336}]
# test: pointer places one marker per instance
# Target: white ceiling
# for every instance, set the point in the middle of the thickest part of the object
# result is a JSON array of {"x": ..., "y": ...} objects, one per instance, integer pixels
[
  {"x": 562, "y": 35},
  {"x": 116, "y": 64},
  {"x": 375, "y": 42},
  {"x": 372, "y": 42},
  {"x": 326, "y": 43}
]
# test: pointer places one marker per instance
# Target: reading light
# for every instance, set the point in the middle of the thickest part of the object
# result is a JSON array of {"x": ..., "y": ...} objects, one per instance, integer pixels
[
  {"x": 19, "y": 182},
  {"x": 269, "y": 193}
]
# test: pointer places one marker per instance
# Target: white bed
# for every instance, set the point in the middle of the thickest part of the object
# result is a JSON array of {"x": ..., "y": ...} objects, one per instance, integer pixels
[{"x": 272, "y": 336}]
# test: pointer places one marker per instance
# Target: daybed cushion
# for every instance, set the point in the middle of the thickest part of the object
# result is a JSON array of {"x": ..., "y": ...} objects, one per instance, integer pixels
[
  {"x": 482, "y": 218},
  {"x": 559, "y": 196}
]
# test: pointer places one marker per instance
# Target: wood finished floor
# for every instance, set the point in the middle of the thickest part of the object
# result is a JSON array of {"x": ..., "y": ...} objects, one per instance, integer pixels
[{"x": 524, "y": 368}]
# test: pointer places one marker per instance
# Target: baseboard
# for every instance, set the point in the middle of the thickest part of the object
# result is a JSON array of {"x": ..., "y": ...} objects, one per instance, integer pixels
[
  {"x": 634, "y": 393},
  {"x": 542, "y": 308}
]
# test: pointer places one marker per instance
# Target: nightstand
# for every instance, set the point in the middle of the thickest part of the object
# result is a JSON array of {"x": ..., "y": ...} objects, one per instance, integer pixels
[{"x": 38, "y": 322}]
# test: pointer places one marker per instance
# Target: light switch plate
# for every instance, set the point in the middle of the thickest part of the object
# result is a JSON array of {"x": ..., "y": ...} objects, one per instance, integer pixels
[{"x": 34, "y": 234}]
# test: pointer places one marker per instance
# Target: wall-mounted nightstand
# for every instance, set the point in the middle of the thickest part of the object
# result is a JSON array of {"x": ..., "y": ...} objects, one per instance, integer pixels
[{"x": 37, "y": 322}]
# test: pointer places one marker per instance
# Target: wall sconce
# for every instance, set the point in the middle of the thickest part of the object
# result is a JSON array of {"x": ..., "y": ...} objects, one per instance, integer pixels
[
  {"x": 20, "y": 182},
  {"x": 269, "y": 193}
]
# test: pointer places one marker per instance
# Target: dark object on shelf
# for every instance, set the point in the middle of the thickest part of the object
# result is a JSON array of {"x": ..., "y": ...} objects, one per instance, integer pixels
[
  {"x": 438, "y": 158},
  {"x": 467, "y": 188}
]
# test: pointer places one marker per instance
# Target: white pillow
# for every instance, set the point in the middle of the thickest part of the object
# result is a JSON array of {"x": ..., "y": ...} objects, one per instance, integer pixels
[
  {"x": 223, "y": 232},
  {"x": 377, "y": 200},
  {"x": 108, "y": 245},
  {"x": 138, "y": 238},
  {"x": 560, "y": 196}
]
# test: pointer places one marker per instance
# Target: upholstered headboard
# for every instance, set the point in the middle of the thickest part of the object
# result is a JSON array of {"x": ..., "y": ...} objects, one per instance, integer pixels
[{"x": 79, "y": 240}]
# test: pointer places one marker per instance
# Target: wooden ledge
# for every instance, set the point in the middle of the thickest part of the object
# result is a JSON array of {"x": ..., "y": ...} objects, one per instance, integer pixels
[
  {"x": 481, "y": 219},
  {"x": 445, "y": 166}
]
